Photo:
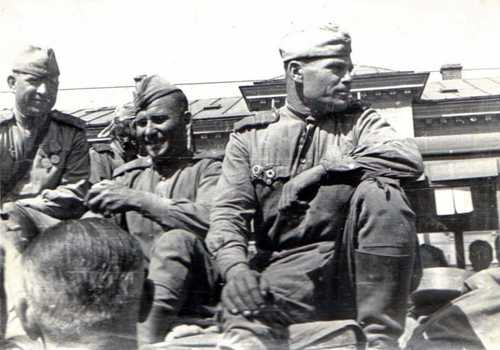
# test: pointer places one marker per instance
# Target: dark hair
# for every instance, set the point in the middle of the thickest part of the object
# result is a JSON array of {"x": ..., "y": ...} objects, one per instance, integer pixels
[
  {"x": 432, "y": 256},
  {"x": 82, "y": 275},
  {"x": 480, "y": 244}
]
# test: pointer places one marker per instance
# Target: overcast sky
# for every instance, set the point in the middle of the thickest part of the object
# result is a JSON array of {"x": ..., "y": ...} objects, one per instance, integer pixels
[{"x": 107, "y": 42}]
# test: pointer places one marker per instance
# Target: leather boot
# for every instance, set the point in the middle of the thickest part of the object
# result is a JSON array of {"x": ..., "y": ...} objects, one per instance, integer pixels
[
  {"x": 158, "y": 323},
  {"x": 382, "y": 286}
]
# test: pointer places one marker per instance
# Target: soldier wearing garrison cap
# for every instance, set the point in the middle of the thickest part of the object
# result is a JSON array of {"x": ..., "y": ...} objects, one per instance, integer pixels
[
  {"x": 164, "y": 200},
  {"x": 45, "y": 163},
  {"x": 123, "y": 148},
  {"x": 320, "y": 178}
]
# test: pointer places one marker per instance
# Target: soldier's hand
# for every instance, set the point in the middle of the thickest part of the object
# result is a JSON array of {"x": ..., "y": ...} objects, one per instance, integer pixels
[
  {"x": 108, "y": 197},
  {"x": 246, "y": 292},
  {"x": 293, "y": 197}
]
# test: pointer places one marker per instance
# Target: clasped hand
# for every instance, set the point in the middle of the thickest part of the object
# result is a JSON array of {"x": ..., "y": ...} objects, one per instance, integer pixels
[
  {"x": 109, "y": 197},
  {"x": 294, "y": 191},
  {"x": 246, "y": 293}
]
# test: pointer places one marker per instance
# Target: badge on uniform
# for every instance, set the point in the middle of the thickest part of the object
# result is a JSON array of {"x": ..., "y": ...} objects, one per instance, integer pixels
[
  {"x": 55, "y": 159},
  {"x": 267, "y": 175},
  {"x": 45, "y": 163}
]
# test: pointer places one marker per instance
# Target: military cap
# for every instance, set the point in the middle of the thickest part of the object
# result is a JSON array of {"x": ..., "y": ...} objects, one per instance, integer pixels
[
  {"x": 36, "y": 61},
  {"x": 151, "y": 88},
  {"x": 323, "y": 41},
  {"x": 125, "y": 112},
  {"x": 122, "y": 115}
]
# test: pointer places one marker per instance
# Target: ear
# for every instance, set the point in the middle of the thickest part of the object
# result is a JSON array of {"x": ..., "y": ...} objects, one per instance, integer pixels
[
  {"x": 295, "y": 71},
  {"x": 187, "y": 117},
  {"x": 11, "y": 81},
  {"x": 27, "y": 319},
  {"x": 148, "y": 292}
]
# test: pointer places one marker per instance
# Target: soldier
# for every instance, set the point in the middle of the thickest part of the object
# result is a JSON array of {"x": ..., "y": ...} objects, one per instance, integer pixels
[
  {"x": 92, "y": 295},
  {"x": 165, "y": 200},
  {"x": 104, "y": 157},
  {"x": 320, "y": 178},
  {"x": 45, "y": 162}
]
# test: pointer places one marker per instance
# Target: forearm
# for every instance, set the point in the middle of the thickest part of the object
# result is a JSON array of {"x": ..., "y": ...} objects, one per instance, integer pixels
[
  {"x": 396, "y": 159},
  {"x": 63, "y": 202},
  {"x": 173, "y": 214}
]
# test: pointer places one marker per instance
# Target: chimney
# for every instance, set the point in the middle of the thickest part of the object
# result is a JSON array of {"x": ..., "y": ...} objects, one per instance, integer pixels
[{"x": 451, "y": 71}]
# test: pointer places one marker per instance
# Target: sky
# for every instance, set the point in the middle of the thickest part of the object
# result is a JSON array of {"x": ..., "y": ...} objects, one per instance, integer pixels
[{"x": 108, "y": 42}]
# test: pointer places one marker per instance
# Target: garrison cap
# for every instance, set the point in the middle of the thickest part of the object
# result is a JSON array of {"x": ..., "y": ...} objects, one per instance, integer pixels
[
  {"x": 36, "y": 61},
  {"x": 323, "y": 41},
  {"x": 151, "y": 88},
  {"x": 125, "y": 112},
  {"x": 122, "y": 115}
]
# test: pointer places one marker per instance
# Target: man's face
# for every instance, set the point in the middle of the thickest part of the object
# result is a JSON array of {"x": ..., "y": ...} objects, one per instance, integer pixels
[
  {"x": 35, "y": 96},
  {"x": 161, "y": 128},
  {"x": 327, "y": 84},
  {"x": 480, "y": 258}
]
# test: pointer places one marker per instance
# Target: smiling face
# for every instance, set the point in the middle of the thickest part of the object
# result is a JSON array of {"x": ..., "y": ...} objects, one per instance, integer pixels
[
  {"x": 326, "y": 83},
  {"x": 35, "y": 95},
  {"x": 161, "y": 128}
]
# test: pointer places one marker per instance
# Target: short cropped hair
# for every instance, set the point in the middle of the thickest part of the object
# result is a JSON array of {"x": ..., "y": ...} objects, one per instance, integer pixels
[
  {"x": 81, "y": 275},
  {"x": 480, "y": 244}
]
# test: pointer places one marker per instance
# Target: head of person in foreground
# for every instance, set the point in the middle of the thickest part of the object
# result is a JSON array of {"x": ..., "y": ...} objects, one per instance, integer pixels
[{"x": 85, "y": 286}]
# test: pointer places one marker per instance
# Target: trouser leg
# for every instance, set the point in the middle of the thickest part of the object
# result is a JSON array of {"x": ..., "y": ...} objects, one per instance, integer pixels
[
  {"x": 380, "y": 238},
  {"x": 183, "y": 278},
  {"x": 296, "y": 279}
]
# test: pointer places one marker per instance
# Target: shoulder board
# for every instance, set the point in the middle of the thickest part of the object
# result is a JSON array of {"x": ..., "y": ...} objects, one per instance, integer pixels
[
  {"x": 136, "y": 164},
  {"x": 259, "y": 120},
  {"x": 101, "y": 147},
  {"x": 67, "y": 119},
  {"x": 209, "y": 154},
  {"x": 6, "y": 115}
]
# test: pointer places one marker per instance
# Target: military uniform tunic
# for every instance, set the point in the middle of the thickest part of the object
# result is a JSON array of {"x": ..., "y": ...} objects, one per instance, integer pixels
[
  {"x": 267, "y": 150},
  {"x": 59, "y": 163},
  {"x": 173, "y": 243},
  {"x": 186, "y": 193}
]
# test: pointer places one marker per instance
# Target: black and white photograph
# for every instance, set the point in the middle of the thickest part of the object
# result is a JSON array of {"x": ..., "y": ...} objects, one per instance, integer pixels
[{"x": 250, "y": 175}]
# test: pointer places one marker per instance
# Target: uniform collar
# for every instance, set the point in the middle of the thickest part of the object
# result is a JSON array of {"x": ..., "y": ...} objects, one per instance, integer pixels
[{"x": 306, "y": 117}]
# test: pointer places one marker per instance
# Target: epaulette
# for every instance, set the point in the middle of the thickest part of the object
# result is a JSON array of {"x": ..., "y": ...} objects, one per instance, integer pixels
[
  {"x": 139, "y": 163},
  {"x": 101, "y": 147},
  {"x": 209, "y": 154},
  {"x": 67, "y": 119},
  {"x": 259, "y": 120},
  {"x": 6, "y": 115}
]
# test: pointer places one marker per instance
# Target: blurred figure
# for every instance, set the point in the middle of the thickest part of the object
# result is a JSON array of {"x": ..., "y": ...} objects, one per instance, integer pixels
[
  {"x": 92, "y": 295},
  {"x": 468, "y": 322},
  {"x": 480, "y": 255},
  {"x": 106, "y": 157},
  {"x": 432, "y": 256}
]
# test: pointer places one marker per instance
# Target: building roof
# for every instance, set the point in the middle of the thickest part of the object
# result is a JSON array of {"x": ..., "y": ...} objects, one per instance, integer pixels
[
  {"x": 461, "y": 88},
  {"x": 200, "y": 109}
]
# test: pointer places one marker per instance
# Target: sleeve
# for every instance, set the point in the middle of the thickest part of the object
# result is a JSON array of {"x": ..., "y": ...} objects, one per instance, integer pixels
[
  {"x": 378, "y": 151},
  {"x": 234, "y": 207},
  {"x": 183, "y": 213},
  {"x": 66, "y": 201}
]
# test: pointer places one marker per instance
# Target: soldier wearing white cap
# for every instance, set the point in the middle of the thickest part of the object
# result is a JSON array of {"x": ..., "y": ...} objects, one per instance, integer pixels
[{"x": 320, "y": 178}]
